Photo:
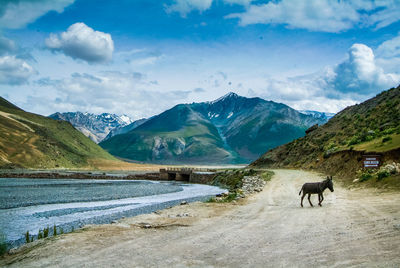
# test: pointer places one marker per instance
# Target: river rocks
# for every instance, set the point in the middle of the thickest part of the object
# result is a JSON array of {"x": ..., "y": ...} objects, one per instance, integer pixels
[
  {"x": 252, "y": 184},
  {"x": 184, "y": 203}
]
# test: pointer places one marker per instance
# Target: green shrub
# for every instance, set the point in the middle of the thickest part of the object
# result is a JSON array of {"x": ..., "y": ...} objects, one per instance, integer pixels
[
  {"x": 386, "y": 139},
  {"x": 27, "y": 237},
  {"x": 3, "y": 244},
  {"x": 354, "y": 140},
  {"x": 365, "y": 175},
  {"x": 46, "y": 232},
  {"x": 229, "y": 198},
  {"x": 40, "y": 234},
  {"x": 54, "y": 230},
  {"x": 383, "y": 174}
]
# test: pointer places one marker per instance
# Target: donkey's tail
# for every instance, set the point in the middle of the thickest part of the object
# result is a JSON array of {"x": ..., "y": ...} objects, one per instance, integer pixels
[{"x": 301, "y": 190}]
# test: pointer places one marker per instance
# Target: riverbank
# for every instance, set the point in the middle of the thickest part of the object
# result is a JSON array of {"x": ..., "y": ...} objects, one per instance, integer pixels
[
  {"x": 36, "y": 204},
  {"x": 266, "y": 229}
]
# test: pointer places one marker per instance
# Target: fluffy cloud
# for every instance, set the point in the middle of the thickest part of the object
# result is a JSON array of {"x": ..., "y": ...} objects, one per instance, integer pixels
[
  {"x": 357, "y": 78},
  {"x": 82, "y": 42},
  {"x": 14, "y": 71},
  {"x": 360, "y": 73},
  {"x": 186, "y": 6},
  {"x": 16, "y": 14},
  {"x": 388, "y": 54},
  {"x": 390, "y": 48},
  {"x": 322, "y": 15}
]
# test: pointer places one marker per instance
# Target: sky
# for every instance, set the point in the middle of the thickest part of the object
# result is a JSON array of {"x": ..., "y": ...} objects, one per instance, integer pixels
[{"x": 141, "y": 57}]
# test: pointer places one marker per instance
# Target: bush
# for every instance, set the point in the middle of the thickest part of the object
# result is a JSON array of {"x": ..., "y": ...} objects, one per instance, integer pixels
[
  {"x": 46, "y": 232},
  {"x": 40, "y": 234},
  {"x": 386, "y": 139},
  {"x": 383, "y": 174},
  {"x": 54, "y": 230},
  {"x": 365, "y": 176},
  {"x": 27, "y": 237},
  {"x": 3, "y": 244}
]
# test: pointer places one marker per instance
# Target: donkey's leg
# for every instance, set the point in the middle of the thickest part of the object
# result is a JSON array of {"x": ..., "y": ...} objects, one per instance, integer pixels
[
  {"x": 322, "y": 199},
  {"x": 304, "y": 194},
  {"x": 309, "y": 195},
  {"x": 319, "y": 200}
]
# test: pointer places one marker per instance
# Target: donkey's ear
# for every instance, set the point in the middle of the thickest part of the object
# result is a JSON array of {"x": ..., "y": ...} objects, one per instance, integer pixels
[{"x": 331, "y": 178}]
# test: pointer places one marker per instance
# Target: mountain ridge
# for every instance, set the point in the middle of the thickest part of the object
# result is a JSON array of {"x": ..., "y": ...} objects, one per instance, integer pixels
[
  {"x": 232, "y": 129},
  {"x": 94, "y": 126}
]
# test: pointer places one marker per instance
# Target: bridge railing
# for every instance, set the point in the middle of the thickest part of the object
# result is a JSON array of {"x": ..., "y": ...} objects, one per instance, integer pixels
[{"x": 184, "y": 169}]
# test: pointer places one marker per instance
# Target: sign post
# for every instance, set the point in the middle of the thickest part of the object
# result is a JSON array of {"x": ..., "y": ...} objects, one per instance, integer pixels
[{"x": 371, "y": 161}]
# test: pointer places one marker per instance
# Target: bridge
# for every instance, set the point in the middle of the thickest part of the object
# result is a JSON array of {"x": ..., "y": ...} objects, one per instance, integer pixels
[{"x": 195, "y": 175}]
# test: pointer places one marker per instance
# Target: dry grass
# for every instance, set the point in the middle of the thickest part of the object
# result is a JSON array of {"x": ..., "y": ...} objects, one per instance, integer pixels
[{"x": 118, "y": 165}]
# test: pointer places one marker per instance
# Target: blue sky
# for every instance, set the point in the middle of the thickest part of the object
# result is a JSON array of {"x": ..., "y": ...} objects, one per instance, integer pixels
[{"x": 140, "y": 57}]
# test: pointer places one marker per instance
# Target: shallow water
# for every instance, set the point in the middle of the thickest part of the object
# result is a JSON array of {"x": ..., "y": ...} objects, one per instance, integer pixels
[{"x": 33, "y": 204}]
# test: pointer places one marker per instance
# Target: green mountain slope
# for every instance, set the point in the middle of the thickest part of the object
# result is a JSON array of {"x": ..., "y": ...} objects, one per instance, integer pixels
[
  {"x": 177, "y": 135},
  {"x": 372, "y": 127},
  {"x": 232, "y": 129},
  {"x": 32, "y": 141}
]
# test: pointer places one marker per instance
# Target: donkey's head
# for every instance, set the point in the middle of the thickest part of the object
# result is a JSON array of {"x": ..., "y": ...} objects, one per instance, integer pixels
[{"x": 329, "y": 183}]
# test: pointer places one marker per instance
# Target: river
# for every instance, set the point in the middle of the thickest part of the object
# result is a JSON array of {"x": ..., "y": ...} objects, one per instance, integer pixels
[{"x": 33, "y": 204}]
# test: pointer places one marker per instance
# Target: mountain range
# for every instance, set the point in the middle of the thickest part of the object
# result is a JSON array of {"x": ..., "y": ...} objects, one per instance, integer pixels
[
  {"x": 96, "y": 127},
  {"x": 231, "y": 129},
  {"x": 29, "y": 140}
]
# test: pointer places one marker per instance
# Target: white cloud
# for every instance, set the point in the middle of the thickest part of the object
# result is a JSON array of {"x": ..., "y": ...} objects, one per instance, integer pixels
[
  {"x": 322, "y": 15},
  {"x": 356, "y": 79},
  {"x": 184, "y": 7},
  {"x": 389, "y": 48},
  {"x": 82, "y": 42},
  {"x": 18, "y": 13},
  {"x": 14, "y": 71},
  {"x": 360, "y": 73}
]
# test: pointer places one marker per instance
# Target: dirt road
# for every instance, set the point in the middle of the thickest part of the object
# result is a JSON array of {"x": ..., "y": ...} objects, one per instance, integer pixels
[{"x": 353, "y": 228}]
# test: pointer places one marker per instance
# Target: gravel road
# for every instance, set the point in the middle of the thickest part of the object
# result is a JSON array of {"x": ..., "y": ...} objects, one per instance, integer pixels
[{"x": 358, "y": 228}]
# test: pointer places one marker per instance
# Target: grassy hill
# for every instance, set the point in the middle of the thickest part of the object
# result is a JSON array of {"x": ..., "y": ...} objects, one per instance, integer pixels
[
  {"x": 337, "y": 147},
  {"x": 32, "y": 141}
]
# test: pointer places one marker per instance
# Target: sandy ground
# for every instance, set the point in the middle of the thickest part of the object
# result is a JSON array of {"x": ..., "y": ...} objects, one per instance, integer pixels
[{"x": 358, "y": 228}]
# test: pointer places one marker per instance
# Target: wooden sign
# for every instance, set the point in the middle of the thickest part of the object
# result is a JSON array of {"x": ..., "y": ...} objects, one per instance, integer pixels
[{"x": 371, "y": 161}]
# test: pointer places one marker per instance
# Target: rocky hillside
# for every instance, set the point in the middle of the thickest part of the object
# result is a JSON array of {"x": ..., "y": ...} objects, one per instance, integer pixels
[
  {"x": 94, "y": 126},
  {"x": 231, "y": 129},
  {"x": 32, "y": 141},
  {"x": 337, "y": 147}
]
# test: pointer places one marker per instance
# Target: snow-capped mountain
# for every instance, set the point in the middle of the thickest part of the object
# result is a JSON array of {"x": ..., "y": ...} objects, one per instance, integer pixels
[
  {"x": 231, "y": 129},
  {"x": 318, "y": 115},
  {"x": 94, "y": 126}
]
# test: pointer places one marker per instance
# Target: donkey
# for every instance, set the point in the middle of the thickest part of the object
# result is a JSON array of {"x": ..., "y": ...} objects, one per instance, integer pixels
[{"x": 316, "y": 188}]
